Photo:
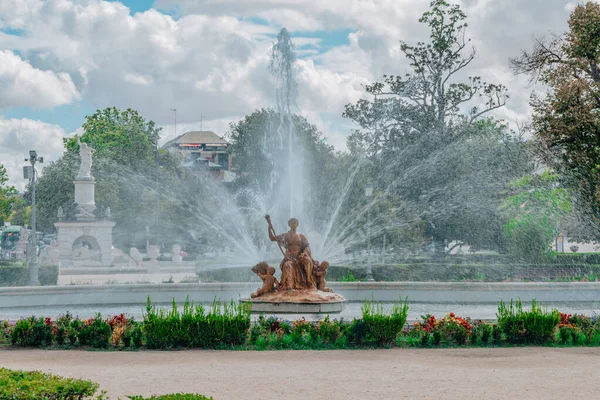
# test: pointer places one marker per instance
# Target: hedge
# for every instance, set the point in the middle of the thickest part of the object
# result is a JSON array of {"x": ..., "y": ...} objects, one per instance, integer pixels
[
  {"x": 229, "y": 327},
  {"x": 26, "y": 385},
  {"x": 17, "y": 274},
  {"x": 17, "y": 385},
  {"x": 423, "y": 272}
]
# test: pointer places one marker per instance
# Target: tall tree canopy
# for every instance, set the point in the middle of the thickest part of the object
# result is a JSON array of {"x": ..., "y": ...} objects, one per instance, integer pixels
[
  {"x": 7, "y": 196},
  {"x": 258, "y": 155},
  {"x": 125, "y": 168},
  {"x": 432, "y": 144},
  {"x": 566, "y": 120}
]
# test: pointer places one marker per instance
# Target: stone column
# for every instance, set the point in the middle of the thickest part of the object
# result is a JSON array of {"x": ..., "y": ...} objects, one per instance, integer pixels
[{"x": 85, "y": 199}]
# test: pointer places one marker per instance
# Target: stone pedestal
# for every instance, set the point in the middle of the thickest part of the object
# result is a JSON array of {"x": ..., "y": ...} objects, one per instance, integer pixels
[
  {"x": 297, "y": 302},
  {"x": 84, "y": 197},
  {"x": 83, "y": 243}
]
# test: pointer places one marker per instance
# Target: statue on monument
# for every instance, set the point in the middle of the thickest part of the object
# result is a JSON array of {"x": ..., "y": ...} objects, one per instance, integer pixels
[
  {"x": 297, "y": 265},
  {"x": 85, "y": 168},
  {"x": 302, "y": 277}
]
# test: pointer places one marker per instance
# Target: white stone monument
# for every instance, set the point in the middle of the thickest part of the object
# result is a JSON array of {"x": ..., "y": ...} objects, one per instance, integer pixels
[
  {"x": 176, "y": 253},
  {"x": 84, "y": 241}
]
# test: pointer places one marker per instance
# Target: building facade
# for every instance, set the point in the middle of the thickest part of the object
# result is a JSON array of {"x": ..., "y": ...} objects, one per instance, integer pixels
[{"x": 203, "y": 150}]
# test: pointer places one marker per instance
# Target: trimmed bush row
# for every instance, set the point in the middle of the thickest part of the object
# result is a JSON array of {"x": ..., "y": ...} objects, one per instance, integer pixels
[
  {"x": 228, "y": 326},
  {"x": 17, "y": 274},
  {"x": 26, "y": 385},
  {"x": 427, "y": 271}
]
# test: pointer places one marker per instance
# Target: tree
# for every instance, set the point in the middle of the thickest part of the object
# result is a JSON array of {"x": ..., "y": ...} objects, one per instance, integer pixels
[
  {"x": 125, "y": 168},
  {"x": 259, "y": 157},
  {"x": 534, "y": 212},
  {"x": 447, "y": 165},
  {"x": 566, "y": 120},
  {"x": 21, "y": 213},
  {"x": 7, "y": 196}
]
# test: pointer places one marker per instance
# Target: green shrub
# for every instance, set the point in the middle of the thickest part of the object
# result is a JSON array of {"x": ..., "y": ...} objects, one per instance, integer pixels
[
  {"x": 75, "y": 327},
  {"x": 16, "y": 385},
  {"x": 537, "y": 326},
  {"x": 32, "y": 332},
  {"x": 357, "y": 333},
  {"x": 5, "y": 330},
  {"x": 17, "y": 274},
  {"x": 528, "y": 237},
  {"x": 223, "y": 325},
  {"x": 61, "y": 328},
  {"x": 385, "y": 327},
  {"x": 132, "y": 336},
  {"x": 175, "y": 396},
  {"x": 483, "y": 333},
  {"x": 95, "y": 332}
]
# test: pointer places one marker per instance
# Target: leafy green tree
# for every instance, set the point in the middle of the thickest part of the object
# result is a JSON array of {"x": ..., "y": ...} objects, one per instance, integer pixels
[
  {"x": 21, "y": 213},
  {"x": 534, "y": 213},
  {"x": 125, "y": 168},
  {"x": 7, "y": 195},
  {"x": 566, "y": 120},
  {"x": 257, "y": 156},
  {"x": 444, "y": 164}
]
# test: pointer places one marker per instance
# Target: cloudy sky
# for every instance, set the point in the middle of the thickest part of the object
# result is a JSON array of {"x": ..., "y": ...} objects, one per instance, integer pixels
[{"x": 62, "y": 59}]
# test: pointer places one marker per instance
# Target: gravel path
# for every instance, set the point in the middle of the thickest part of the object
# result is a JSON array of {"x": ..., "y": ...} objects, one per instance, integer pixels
[{"x": 506, "y": 373}]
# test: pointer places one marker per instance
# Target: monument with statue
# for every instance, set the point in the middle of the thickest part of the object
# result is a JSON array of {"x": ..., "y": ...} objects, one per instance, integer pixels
[
  {"x": 85, "y": 239},
  {"x": 302, "y": 287}
]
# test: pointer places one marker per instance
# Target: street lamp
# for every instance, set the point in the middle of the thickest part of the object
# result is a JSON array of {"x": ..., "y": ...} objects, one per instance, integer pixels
[
  {"x": 29, "y": 173},
  {"x": 368, "y": 194}
]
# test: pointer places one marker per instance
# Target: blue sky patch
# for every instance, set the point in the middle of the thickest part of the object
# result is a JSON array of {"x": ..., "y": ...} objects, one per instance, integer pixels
[
  {"x": 135, "y": 6},
  {"x": 68, "y": 116}
]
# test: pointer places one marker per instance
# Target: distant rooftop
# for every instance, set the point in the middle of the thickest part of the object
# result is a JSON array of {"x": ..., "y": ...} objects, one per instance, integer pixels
[{"x": 204, "y": 137}]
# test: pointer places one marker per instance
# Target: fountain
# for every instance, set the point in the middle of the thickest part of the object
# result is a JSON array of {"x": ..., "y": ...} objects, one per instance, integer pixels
[
  {"x": 302, "y": 287},
  {"x": 84, "y": 242}
]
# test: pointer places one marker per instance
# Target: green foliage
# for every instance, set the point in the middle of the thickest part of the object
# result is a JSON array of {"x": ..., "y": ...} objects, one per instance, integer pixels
[
  {"x": 537, "y": 326},
  {"x": 534, "y": 212},
  {"x": 7, "y": 196},
  {"x": 357, "y": 333},
  {"x": 5, "y": 330},
  {"x": 224, "y": 325},
  {"x": 125, "y": 167},
  {"x": 347, "y": 278},
  {"x": 175, "y": 396},
  {"x": 442, "y": 163},
  {"x": 255, "y": 135},
  {"x": 16, "y": 385},
  {"x": 17, "y": 274},
  {"x": 565, "y": 121},
  {"x": 133, "y": 335},
  {"x": 272, "y": 333},
  {"x": 32, "y": 332},
  {"x": 483, "y": 333},
  {"x": 385, "y": 327},
  {"x": 95, "y": 333}
]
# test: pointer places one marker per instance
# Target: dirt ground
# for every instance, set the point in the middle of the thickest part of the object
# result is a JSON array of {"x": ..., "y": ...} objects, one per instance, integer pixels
[{"x": 507, "y": 373}]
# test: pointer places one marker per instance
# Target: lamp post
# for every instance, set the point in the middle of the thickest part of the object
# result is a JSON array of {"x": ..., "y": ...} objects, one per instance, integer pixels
[
  {"x": 29, "y": 173},
  {"x": 368, "y": 194}
]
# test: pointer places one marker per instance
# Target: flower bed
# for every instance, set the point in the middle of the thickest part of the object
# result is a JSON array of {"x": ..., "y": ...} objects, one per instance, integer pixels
[{"x": 228, "y": 326}]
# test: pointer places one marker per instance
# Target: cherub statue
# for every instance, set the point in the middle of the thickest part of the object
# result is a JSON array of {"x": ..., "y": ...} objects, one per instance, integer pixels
[
  {"x": 136, "y": 256},
  {"x": 319, "y": 272},
  {"x": 266, "y": 273}
]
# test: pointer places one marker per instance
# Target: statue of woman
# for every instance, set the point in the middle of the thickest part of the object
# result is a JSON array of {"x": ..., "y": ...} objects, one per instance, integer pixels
[
  {"x": 297, "y": 266},
  {"x": 85, "y": 168}
]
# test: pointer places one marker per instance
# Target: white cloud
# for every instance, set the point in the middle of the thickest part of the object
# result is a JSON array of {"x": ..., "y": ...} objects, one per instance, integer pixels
[
  {"x": 24, "y": 85},
  {"x": 18, "y": 136},
  {"x": 212, "y": 59}
]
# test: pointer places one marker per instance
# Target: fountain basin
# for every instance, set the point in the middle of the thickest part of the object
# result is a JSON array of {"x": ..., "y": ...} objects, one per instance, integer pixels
[{"x": 298, "y": 302}]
